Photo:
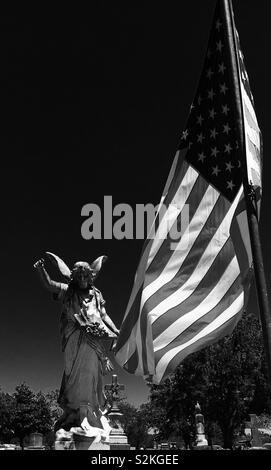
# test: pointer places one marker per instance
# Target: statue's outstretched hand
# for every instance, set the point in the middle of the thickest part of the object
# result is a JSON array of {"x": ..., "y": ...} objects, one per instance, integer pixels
[{"x": 39, "y": 264}]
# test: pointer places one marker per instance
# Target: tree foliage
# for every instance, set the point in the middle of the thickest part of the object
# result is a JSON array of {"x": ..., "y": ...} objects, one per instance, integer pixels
[
  {"x": 6, "y": 416},
  {"x": 135, "y": 425},
  {"x": 52, "y": 402},
  {"x": 31, "y": 413},
  {"x": 25, "y": 412}
]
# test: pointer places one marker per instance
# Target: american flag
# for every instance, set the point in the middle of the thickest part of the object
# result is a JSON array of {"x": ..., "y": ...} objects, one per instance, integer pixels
[{"x": 192, "y": 292}]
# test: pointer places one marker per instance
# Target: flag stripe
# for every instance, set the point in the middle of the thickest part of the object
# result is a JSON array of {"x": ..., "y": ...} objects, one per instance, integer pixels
[
  {"x": 174, "y": 356},
  {"x": 142, "y": 338},
  {"x": 249, "y": 117},
  {"x": 253, "y": 149},
  {"x": 128, "y": 327},
  {"x": 212, "y": 305},
  {"x": 250, "y": 111},
  {"x": 177, "y": 196},
  {"x": 173, "y": 259},
  {"x": 147, "y": 355},
  {"x": 208, "y": 256},
  {"x": 240, "y": 235},
  {"x": 189, "y": 337},
  {"x": 182, "y": 196},
  {"x": 202, "y": 291},
  {"x": 132, "y": 363},
  {"x": 193, "y": 256}
]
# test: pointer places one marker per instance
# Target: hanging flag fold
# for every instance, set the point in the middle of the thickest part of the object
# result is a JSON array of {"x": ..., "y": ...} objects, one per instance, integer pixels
[{"x": 192, "y": 281}]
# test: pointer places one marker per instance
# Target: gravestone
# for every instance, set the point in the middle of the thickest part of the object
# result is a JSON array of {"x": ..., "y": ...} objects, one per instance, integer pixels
[
  {"x": 35, "y": 442},
  {"x": 117, "y": 437},
  {"x": 251, "y": 428}
]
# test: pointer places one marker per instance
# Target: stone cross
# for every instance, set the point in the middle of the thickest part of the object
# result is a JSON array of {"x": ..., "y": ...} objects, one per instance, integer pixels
[{"x": 114, "y": 388}]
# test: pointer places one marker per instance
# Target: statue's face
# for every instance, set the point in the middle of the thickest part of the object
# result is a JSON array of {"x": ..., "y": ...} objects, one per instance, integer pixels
[
  {"x": 82, "y": 274},
  {"x": 82, "y": 280}
]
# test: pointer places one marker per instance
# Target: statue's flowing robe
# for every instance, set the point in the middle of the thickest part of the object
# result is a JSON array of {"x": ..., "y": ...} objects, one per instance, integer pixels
[{"x": 81, "y": 393}]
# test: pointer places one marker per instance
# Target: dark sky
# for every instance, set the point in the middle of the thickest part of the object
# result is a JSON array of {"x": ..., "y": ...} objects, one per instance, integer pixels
[{"x": 93, "y": 103}]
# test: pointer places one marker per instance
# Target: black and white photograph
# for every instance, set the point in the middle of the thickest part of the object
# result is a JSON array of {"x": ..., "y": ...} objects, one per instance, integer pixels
[{"x": 136, "y": 258}]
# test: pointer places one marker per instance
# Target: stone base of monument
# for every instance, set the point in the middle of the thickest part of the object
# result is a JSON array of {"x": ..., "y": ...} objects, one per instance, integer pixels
[
  {"x": 87, "y": 443},
  {"x": 64, "y": 444},
  {"x": 201, "y": 440},
  {"x": 203, "y": 447},
  {"x": 120, "y": 447},
  {"x": 201, "y": 443},
  {"x": 118, "y": 440},
  {"x": 117, "y": 437},
  {"x": 77, "y": 439}
]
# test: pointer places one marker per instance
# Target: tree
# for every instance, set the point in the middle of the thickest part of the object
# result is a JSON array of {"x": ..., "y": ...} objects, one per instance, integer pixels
[
  {"x": 6, "y": 417},
  {"x": 25, "y": 412},
  {"x": 228, "y": 379},
  {"x": 161, "y": 408},
  {"x": 55, "y": 413},
  {"x": 170, "y": 412},
  {"x": 156, "y": 419},
  {"x": 31, "y": 413},
  {"x": 52, "y": 401},
  {"x": 134, "y": 425},
  {"x": 235, "y": 369},
  {"x": 43, "y": 419},
  {"x": 24, "y": 409}
]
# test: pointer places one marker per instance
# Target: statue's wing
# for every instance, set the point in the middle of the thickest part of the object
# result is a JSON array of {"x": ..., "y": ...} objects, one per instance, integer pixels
[
  {"x": 97, "y": 264},
  {"x": 63, "y": 268}
]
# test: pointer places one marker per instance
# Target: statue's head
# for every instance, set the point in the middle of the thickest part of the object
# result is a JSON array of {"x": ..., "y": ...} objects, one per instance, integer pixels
[{"x": 82, "y": 274}]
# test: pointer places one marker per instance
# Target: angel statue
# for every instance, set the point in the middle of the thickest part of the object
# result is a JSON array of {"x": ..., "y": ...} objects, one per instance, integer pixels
[{"x": 84, "y": 324}]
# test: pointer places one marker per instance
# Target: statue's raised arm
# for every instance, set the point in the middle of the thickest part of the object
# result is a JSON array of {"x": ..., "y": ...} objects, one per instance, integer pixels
[{"x": 48, "y": 283}]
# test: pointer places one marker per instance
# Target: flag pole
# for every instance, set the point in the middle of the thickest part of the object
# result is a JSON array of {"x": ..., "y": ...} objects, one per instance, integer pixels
[
  {"x": 251, "y": 203},
  {"x": 258, "y": 265}
]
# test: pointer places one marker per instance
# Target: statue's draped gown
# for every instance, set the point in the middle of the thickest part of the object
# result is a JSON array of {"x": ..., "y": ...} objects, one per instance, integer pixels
[{"x": 81, "y": 394}]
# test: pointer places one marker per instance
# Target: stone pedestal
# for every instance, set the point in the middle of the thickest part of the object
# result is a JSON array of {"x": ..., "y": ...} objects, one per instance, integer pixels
[
  {"x": 77, "y": 439},
  {"x": 117, "y": 438},
  {"x": 82, "y": 442},
  {"x": 201, "y": 440},
  {"x": 120, "y": 447}
]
